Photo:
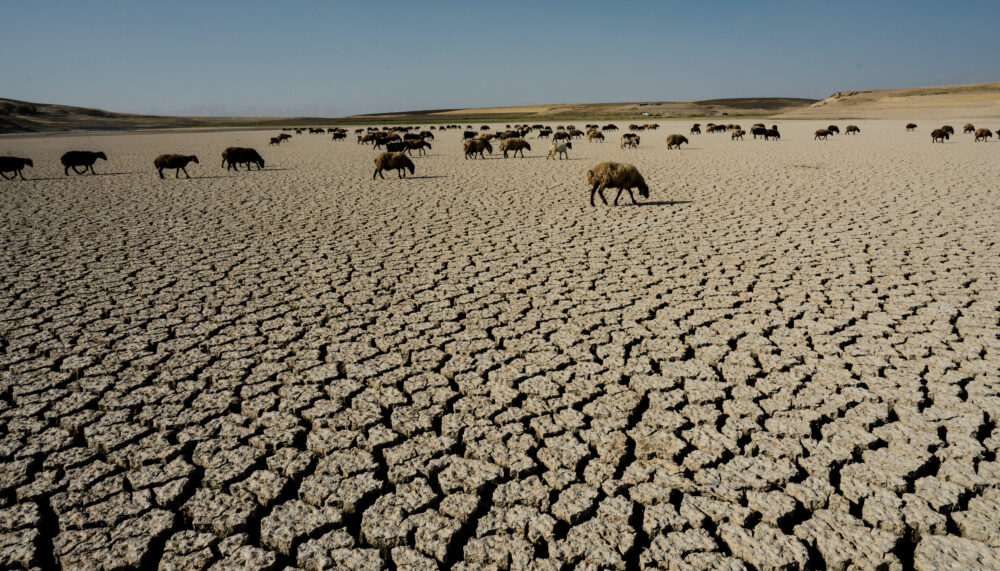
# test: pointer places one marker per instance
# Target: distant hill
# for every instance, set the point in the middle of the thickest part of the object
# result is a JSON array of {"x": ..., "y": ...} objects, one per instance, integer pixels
[
  {"x": 705, "y": 108},
  {"x": 25, "y": 117},
  {"x": 946, "y": 101}
]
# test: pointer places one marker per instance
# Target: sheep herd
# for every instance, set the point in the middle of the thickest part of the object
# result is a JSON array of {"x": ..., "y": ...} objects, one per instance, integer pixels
[{"x": 399, "y": 142}]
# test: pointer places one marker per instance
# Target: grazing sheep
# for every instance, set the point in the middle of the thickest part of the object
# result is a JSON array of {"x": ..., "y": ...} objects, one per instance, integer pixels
[
  {"x": 616, "y": 175},
  {"x": 508, "y": 135},
  {"x": 576, "y": 133},
  {"x": 469, "y": 135},
  {"x": 339, "y": 136},
  {"x": 983, "y": 134},
  {"x": 418, "y": 145},
  {"x": 610, "y": 127},
  {"x": 832, "y": 129},
  {"x": 560, "y": 135},
  {"x": 630, "y": 140},
  {"x": 595, "y": 135},
  {"x": 675, "y": 141},
  {"x": 822, "y": 134},
  {"x": 544, "y": 133},
  {"x": 275, "y": 141},
  {"x": 85, "y": 159},
  {"x": 232, "y": 157},
  {"x": 389, "y": 161},
  {"x": 937, "y": 134},
  {"x": 366, "y": 138},
  {"x": 559, "y": 149},
  {"x": 968, "y": 128},
  {"x": 177, "y": 162},
  {"x": 852, "y": 130},
  {"x": 395, "y": 147},
  {"x": 473, "y": 147},
  {"x": 14, "y": 165},
  {"x": 695, "y": 129},
  {"x": 738, "y": 134},
  {"x": 514, "y": 144},
  {"x": 911, "y": 126},
  {"x": 948, "y": 129},
  {"x": 758, "y": 130},
  {"x": 772, "y": 134},
  {"x": 427, "y": 134}
]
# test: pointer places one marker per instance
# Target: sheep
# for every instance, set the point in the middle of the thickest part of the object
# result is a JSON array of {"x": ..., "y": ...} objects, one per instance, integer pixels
[
  {"x": 338, "y": 136},
  {"x": 514, "y": 144},
  {"x": 911, "y": 126},
  {"x": 559, "y": 149},
  {"x": 418, "y": 145},
  {"x": 832, "y": 129},
  {"x": 85, "y": 159},
  {"x": 610, "y": 127},
  {"x": 544, "y": 133},
  {"x": 427, "y": 134},
  {"x": 771, "y": 134},
  {"x": 675, "y": 141},
  {"x": 738, "y": 134},
  {"x": 630, "y": 140},
  {"x": 576, "y": 133},
  {"x": 366, "y": 138},
  {"x": 983, "y": 134},
  {"x": 560, "y": 135},
  {"x": 757, "y": 130},
  {"x": 822, "y": 134},
  {"x": 275, "y": 141},
  {"x": 395, "y": 147},
  {"x": 948, "y": 129},
  {"x": 176, "y": 162},
  {"x": 938, "y": 134},
  {"x": 595, "y": 135},
  {"x": 14, "y": 165},
  {"x": 388, "y": 161},
  {"x": 968, "y": 128},
  {"x": 473, "y": 147},
  {"x": 232, "y": 157},
  {"x": 469, "y": 135},
  {"x": 508, "y": 135},
  {"x": 852, "y": 130},
  {"x": 616, "y": 175},
  {"x": 284, "y": 137},
  {"x": 695, "y": 129}
]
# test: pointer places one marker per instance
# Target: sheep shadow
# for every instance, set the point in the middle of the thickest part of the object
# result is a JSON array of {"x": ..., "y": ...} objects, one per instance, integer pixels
[
  {"x": 429, "y": 176},
  {"x": 661, "y": 203},
  {"x": 45, "y": 178},
  {"x": 206, "y": 176},
  {"x": 114, "y": 173}
]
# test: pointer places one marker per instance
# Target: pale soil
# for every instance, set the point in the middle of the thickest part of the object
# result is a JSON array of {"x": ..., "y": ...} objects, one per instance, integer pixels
[{"x": 786, "y": 357}]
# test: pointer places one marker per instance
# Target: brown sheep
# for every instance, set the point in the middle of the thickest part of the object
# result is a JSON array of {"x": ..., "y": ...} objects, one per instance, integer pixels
[
  {"x": 911, "y": 126},
  {"x": 576, "y": 133},
  {"x": 772, "y": 134},
  {"x": 14, "y": 165},
  {"x": 594, "y": 136},
  {"x": 275, "y": 141},
  {"x": 514, "y": 145},
  {"x": 473, "y": 147},
  {"x": 284, "y": 137},
  {"x": 822, "y": 134},
  {"x": 696, "y": 129},
  {"x": 85, "y": 159},
  {"x": 389, "y": 161},
  {"x": 616, "y": 175},
  {"x": 738, "y": 134},
  {"x": 418, "y": 145},
  {"x": 232, "y": 157},
  {"x": 177, "y": 162},
  {"x": 675, "y": 141},
  {"x": 852, "y": 130},
  {"x": 833, "y": 129},
  {"x": 560, "y": 135},
  {"x": 968, "y": 128},
  {"x": 948, "y": 129},
  {"x": 938, "y": 134},
  {"x": 630, "y": 140},
  {"x": 983, "y": 134}
]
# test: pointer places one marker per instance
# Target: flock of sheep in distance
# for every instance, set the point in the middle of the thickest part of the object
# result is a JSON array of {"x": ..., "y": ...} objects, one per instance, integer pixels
[{"x": 399, "y": 144}]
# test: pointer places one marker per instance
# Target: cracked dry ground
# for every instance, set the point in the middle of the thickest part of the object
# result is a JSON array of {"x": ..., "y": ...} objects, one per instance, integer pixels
[{"x": 793, "y": 366}]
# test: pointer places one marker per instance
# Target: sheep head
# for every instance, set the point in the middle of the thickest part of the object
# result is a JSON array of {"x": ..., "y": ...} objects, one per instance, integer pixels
[
  {"x": 644, "y": 190},
  {"x": 101, "y": 155},
  {"x": 29, "y": 163}
]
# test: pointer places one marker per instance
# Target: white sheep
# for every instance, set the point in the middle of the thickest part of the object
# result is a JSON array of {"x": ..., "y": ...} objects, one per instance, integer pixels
[{"x": 559, "y": 149}]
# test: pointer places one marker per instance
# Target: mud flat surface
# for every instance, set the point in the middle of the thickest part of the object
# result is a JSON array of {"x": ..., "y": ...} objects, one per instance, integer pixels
[{"x": 786, "y": 358}]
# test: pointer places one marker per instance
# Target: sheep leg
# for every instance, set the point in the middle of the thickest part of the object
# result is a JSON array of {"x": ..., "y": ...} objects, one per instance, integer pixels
[
  {"x": 185, "y": 172},
  {"x": 161, "y": 172},
  {"x": 592, "y": 192},
  {"x": 66, "y": 170},
  {"x": 631, "y": 195},
  {"x": 12, "y": 177},
  {"x": 21, "y": 174},
  {"x": 617, "y": 196},
  {"x": 79, "y": 171}
]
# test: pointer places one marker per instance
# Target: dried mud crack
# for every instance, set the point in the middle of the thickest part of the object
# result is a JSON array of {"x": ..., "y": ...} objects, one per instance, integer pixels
[{"x": 765, "y": 368}]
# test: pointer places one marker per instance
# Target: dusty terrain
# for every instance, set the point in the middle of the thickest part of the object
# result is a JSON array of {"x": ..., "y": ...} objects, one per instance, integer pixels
[
  {"x": 940, "y": 102},
  {"x": 786, "y": 358}
]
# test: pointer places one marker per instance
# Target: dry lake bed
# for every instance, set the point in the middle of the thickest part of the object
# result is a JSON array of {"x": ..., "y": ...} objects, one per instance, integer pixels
[{"x": 787, "y": 357}]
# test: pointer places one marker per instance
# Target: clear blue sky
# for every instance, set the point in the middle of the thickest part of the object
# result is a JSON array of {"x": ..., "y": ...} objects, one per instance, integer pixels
[{"x": 336, "y": 58}]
